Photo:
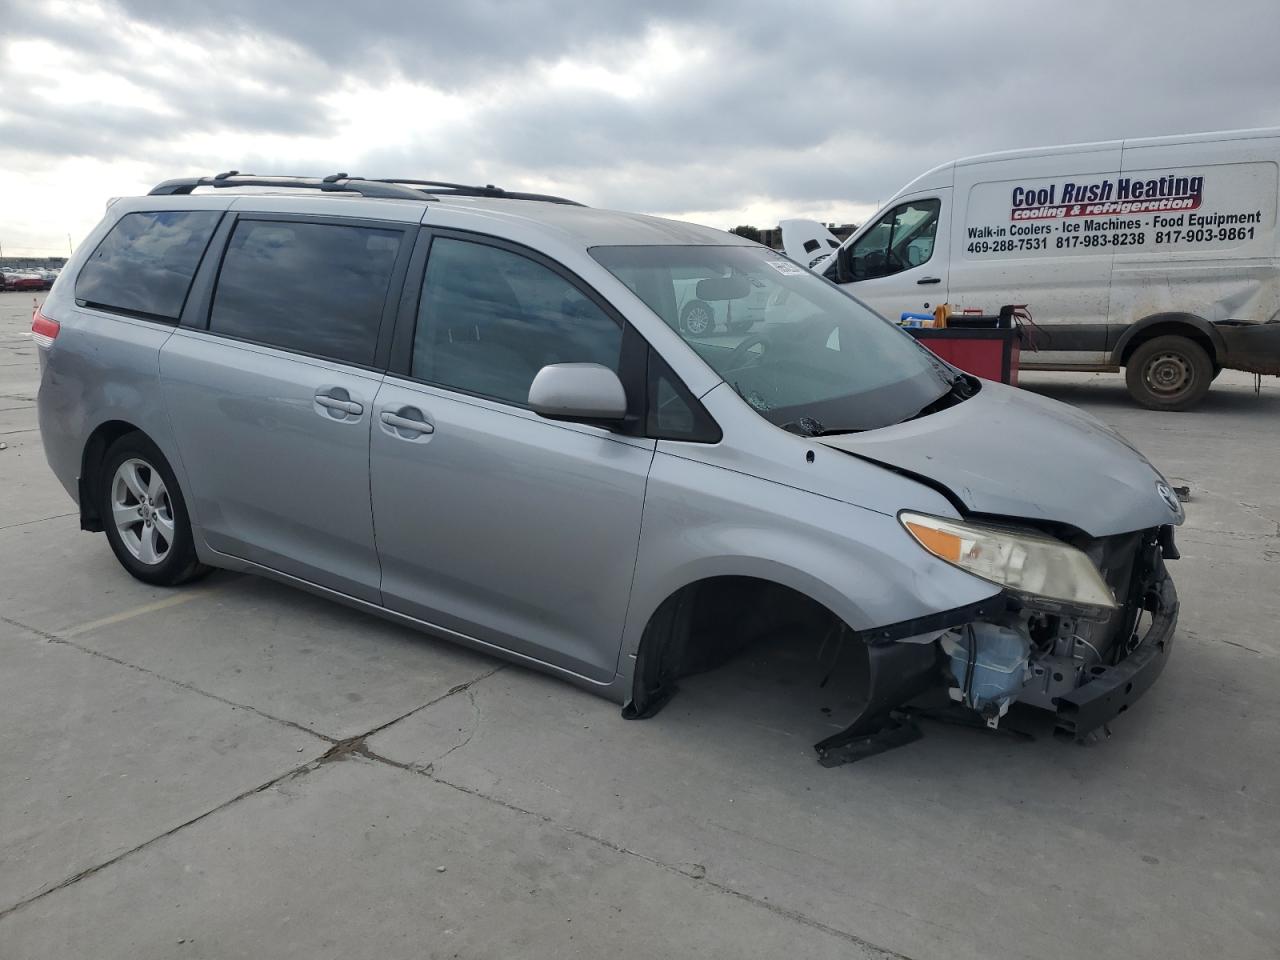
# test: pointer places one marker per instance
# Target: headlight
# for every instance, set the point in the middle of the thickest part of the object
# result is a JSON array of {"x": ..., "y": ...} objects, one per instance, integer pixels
[{"x": 1047, "y": 573}]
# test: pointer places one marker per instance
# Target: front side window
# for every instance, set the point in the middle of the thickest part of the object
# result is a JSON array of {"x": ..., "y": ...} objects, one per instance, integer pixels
[
  {"x": 903, "y": 238},
  {"x": 145, "y": 264},
  {"x": 490, "y": 319},
  {"x": 318, "y": 288},
  {"x": 812, "y": 360}
]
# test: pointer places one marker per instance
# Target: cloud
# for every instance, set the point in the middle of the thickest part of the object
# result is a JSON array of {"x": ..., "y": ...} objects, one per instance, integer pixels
[{"x": 711, "y": 109}]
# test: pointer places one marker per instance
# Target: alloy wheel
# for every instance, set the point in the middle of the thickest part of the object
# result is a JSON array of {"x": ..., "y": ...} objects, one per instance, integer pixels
[
  {"x": 142, "y": 511},
  {"x": 698, "y": 321}
]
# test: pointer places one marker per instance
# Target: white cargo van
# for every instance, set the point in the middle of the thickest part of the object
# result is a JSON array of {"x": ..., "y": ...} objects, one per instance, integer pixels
[{"x": 1157, "y": 255}]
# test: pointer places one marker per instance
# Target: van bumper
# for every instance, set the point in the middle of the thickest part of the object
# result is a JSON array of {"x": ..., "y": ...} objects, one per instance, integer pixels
[
  {"x": 1251, "y": 347},
  {"x": 1111, "y": 690}
]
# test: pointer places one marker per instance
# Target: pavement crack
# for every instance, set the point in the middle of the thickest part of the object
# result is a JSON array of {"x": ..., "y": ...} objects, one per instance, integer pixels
[
  {"x": 694, "y": 872},
  {"x": 339, "y": 750},
  {"x": 63, "y": 641},
  {"x": 27, "y": 523},
  {"x": 96, "y": 868},
  {"x": 475, "y": 726},
  {"x": 358, "y": 745}
]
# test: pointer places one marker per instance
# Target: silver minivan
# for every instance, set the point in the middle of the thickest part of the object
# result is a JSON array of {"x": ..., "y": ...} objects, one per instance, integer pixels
[{"x": 479, "y": 413}]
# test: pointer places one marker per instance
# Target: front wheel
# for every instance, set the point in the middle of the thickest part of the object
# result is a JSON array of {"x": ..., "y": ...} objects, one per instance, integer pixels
[
  {"x": 144, "y": 515},
  {"x": 1169, "y": 373}
]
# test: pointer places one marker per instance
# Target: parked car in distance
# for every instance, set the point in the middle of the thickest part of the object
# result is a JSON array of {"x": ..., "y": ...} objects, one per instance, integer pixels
[
  {"x": 699, "y": 317},
  {"x": 560, "y": 473},
  {"x": 27, "y": 281}
]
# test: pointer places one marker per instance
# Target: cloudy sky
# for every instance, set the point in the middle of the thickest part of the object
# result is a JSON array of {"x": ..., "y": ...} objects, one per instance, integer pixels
[{"x": 720, "y": 112}]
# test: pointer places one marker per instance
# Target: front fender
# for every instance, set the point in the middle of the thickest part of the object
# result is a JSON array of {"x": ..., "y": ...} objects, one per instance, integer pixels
[{"x": 702, "y": 521}]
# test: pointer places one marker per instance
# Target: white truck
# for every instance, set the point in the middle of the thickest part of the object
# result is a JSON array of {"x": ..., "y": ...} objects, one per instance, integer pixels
[{"x": 1156, "y": 255}]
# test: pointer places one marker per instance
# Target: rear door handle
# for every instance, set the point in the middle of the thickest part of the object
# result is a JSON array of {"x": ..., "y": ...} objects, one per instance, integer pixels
[
  {"x": 927, "y": 280},
  {"x": 409, "y": 419},
  {"x": 336, "y": 403}
]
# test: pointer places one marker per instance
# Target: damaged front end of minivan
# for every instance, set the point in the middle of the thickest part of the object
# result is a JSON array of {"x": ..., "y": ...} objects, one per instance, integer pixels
[{"x": 1082, "y": 628}]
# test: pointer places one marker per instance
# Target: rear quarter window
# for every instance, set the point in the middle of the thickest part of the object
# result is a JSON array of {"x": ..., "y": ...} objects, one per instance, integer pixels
[{"x": 145, "y": 264}]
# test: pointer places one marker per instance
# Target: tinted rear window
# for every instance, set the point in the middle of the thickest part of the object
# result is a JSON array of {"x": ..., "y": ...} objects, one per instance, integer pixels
[
  {"x": 318, "y": 288},
  {"x": 145, "y": 264}
]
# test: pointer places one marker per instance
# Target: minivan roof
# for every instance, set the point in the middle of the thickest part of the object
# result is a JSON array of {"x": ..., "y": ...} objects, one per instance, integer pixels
[
  {"x": 581, "y": 225},
  {"x": 590, "y": 226}
]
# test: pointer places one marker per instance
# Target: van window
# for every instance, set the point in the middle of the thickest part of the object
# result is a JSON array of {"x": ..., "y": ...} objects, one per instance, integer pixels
[
  {"x": 490, "y": 319},
  {"x": 903, "y": 238},
  {"x": 145, "y": 264},
  {"x": 317, "y": 288}
]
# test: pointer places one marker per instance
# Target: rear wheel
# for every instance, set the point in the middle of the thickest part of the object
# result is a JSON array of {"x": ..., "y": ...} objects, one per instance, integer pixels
[
  {"x": 144, "y": 515},
  {"x": 1169, "y": 373}
]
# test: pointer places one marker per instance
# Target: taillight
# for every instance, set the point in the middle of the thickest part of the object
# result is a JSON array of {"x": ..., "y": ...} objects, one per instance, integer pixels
[{"x": 44, "y": 330}]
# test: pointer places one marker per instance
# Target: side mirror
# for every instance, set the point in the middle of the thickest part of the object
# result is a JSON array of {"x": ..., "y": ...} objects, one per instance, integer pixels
[
  {"x": 578, "y": 391},
  {"x": 844, "y": 264}
]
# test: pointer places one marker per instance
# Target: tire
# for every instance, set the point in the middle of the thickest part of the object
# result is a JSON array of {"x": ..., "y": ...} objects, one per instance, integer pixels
[
  {"x": 1169, "y": 373},
  {"x": 157, "y": 545},
  {"x": 697, "y": 319}
]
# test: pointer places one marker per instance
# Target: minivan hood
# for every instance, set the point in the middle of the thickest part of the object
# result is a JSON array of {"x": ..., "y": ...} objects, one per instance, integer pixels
[{"x": 1012, "y": 453}]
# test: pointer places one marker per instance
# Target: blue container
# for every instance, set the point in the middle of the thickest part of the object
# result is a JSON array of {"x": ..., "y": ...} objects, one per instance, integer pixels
[{"x": 1000, "y": 666}]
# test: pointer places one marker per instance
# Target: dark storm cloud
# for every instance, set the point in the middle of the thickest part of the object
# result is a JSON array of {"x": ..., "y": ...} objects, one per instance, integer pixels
[
  {"x": 836, "y": 106},
  {"x": 450, "y": 45}
]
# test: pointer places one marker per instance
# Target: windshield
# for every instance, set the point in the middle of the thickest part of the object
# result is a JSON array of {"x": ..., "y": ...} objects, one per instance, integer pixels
[{"x": 804, "y": 354}]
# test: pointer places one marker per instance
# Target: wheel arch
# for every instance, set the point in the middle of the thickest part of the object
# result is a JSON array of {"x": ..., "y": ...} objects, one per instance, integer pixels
[
  {"x": 716, "y": 610},
  {"x": 92, "y": 458},
  {"x": 1189, "y": 325}
]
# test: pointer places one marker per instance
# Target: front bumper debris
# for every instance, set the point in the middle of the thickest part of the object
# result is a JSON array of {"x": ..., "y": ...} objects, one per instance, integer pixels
[
  {"x": 1112, "y": 689},
  {"x": 1126, "y": 666}
]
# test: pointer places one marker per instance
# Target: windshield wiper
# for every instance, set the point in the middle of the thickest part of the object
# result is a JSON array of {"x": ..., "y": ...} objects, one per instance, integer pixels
[
  {"x": 809, "y": 427},
  {"x": 961, "y": 386}
]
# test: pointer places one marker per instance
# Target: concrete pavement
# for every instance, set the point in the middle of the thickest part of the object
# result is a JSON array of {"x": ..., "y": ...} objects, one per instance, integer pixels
[{"x": 237, "y": 769}]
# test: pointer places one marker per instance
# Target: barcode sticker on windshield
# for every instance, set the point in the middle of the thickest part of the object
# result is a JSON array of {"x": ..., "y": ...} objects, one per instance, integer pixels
[{"x": 786, "y": 268}]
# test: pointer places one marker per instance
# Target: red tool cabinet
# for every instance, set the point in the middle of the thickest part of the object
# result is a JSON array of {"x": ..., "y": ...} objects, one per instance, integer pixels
[{"x": 990, "y": 354}]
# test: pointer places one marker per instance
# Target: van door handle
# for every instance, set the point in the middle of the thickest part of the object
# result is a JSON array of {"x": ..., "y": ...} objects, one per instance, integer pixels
[
  {"x": 409, "y": 419},
  {"x": 926, "y": 280}
]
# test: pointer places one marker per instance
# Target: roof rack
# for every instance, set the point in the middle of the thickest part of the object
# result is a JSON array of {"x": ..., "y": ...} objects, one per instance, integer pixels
[
  {"x": 390, "y": 187},
  {"x": 488, "y": 190},
  {"x": 335, "y": 183}
]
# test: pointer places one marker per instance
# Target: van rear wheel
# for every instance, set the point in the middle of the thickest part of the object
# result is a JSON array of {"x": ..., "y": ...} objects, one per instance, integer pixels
[{"x": 1169, "y": 373}]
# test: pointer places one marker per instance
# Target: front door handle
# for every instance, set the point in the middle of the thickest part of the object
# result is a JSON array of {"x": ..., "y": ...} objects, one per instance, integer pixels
[
  {"x": 926, "y": 280},
  {"x": 408, "y": 419}
]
